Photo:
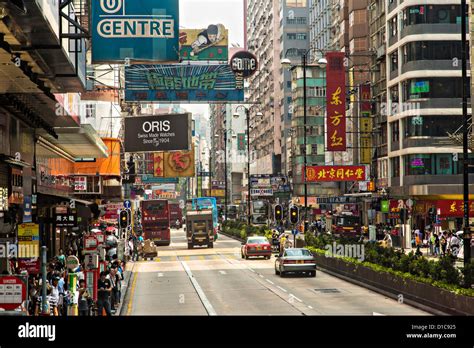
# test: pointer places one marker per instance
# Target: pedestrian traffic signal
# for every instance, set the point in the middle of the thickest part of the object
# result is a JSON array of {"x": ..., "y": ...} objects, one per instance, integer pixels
[
  {"x": 278, "y": 213},
  {"x": 294, "y": 215},
  {"x": 124, "y": 219}
]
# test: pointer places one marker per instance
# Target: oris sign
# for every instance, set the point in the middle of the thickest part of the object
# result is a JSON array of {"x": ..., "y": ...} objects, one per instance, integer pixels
[
  {"x": 158, "y": 133},
  {"x": 244, "y": 64}
]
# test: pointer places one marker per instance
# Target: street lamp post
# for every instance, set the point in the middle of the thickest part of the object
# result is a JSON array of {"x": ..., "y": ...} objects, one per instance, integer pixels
[{"x": 304, "y": 60}]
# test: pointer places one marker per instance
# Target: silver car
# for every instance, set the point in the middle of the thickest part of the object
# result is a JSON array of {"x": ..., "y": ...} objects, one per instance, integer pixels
[{"x": 298, "y": 260}]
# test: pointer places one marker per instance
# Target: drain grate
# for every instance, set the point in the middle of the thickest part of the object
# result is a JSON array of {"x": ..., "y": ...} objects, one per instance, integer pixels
[{"x": 327, "y": 291}]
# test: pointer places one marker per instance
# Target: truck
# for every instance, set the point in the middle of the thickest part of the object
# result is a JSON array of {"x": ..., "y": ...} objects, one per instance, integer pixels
[
  {"x": 345, "y": 224},
  {"x": 176, "y": 214},
  {"x": 200, "y": 228},
  {"x": 259, "y": 210},
  {"x": 156, "y": 221},
  {"x": 208, "y": 203}
]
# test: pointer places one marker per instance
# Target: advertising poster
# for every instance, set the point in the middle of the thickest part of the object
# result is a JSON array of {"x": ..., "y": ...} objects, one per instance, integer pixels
[
  {"x": 182, "y": 83},
  {"x": 336, "y": 102},
  {"x": 138, "y": 30},
  {"x": 207, "y": 44},
  {"x": 157, "y": 133}
]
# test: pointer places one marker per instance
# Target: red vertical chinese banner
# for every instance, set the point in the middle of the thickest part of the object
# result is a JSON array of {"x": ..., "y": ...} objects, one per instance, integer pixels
[{"x": 336, "y": 102}]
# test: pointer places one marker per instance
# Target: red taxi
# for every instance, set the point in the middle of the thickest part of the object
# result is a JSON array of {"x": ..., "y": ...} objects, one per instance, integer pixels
[{"x": 256, "y": 246}]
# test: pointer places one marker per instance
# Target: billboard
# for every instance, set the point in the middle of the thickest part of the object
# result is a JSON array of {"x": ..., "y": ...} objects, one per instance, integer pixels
[
  {"x": 211, "y": 43},
  {"x": 335, "y": 173},
  {"x": 28, "y": 241},
  {"x": 157, "y": 133},
  {"x": 182, "y": 83},
  {"x": 139, "y": 30},
  {"x": 179, "y": 164},
  {"x": 336, "y": 102}
]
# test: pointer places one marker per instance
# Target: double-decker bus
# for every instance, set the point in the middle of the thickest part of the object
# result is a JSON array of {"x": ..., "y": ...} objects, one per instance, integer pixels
[
  {"x": 259, "y": 212},
  {"x": 156, "y": 221},
  {"x": 208, "y": 203},
  {"x": 345, "y": 224},
  {"x": 232, "y": 212}
]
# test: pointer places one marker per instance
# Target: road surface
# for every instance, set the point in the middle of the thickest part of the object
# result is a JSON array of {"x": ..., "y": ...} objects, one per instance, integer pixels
[{"x": 217, "y": 281}]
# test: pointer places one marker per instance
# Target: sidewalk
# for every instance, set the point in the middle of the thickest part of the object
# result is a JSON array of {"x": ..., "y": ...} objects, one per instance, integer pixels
[
  {"x": 125, "y": 284},
  {"x": 426, "y": 253}
]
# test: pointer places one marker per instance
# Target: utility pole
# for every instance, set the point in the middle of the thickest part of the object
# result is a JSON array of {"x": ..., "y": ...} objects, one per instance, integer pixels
[
  {"x": 247, "y": 112},
  {"x": 304, "y": 58}
]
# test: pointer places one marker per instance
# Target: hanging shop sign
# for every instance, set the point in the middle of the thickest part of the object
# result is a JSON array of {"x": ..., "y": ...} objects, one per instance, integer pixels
[
  {"x": 244, "y": 64},
  {"x": 158, "y": 133},
  {"x": 65, "y": 219},
  {"x": 209, "y": 44},
  {"x": 453, "y": 208},
  {"x": 80, "y": 183},
  {"x": 241, "y": 142},
  {"x": 365, "y": 124},
  {"x": 182, "y": 83},
  {"x": 139, "y": 30},
  {"x": 335, "y": 173},
  {"x": 336, "y": 102},
  {"x": 3, "y": 198},
  {"x": 16, "y": 184},
  {"x": 179, "y": 164},
  {"x": 28, "y": 241}
]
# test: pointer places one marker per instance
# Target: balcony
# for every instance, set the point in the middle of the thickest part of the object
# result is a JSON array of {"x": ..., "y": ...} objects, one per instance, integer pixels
[
  {"x": 434, "y": 103},
  {"x": 392, "y": 5},
  {"x": 424, "y": 142},
  {"x": 421, "y": 65},
  {"x": 392, "y": 40},
  {"x": 393, "y": 74},
  {"x": 395, "y": 145},
  {"x": 437, "y": 28}
]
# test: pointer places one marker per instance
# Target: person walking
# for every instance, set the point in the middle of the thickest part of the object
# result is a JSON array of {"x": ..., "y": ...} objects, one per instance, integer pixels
[
  {"x": 104, "y": 287},
  {"x": 443, "y": 242},
  {"x": 84, "y": 299},
  {"x": 432, "y": 240}
]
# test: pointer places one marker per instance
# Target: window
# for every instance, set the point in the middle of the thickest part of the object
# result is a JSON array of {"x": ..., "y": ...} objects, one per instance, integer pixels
[
  {"x": 395, "y": 131},
  {"x": 431, "y": 50},
  {"x": 394, "y": 61},
  {"x": 395, "y": 162},
  {"x": 90, "y": 110},
  {"x": 434, "y": 126},
  {"x": 432, "y": 14},
  {"x": 394, "y": 94},
  {"x": 433, "y": 87},
  {"x": 419, "y": 164},
  {"x": 393, "y": 27}
]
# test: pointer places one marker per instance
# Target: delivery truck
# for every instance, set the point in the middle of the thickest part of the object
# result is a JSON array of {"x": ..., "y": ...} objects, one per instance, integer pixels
[{"x": 200, "y": 228}]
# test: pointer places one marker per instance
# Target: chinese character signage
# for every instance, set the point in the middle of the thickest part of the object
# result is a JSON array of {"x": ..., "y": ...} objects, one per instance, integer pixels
[
  {"x": 182, "y": 83},
  {"x": 206, "y": 44},
  {"x": 157, "y": 133},
  {"x": 80, "y": 183},
  {"x": 179, "y": 164},
  {"x": 336, "y": 102},
  {"x": 365, "y": 124},
  {"x": 453, "y": 208},
  {"x": 335, "y": 173},
  {"x": 158, "y": 165},
  {"x": 65, "y": 219},
  {"x": 139, "y": 30}
]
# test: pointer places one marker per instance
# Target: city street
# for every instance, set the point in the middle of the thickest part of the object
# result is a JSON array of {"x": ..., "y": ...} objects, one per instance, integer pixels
[{"x": 218, "y": 282}]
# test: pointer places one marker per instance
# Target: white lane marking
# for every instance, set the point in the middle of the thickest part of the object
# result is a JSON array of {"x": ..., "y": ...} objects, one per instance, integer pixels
[
  {"x": 279, "y": 287},
  {"x": 251, "y": 270},
  {"x": 375, "y": 313},
  {"x": 310, "y": 307},
  {"x": 296, "y": 298},
  {"x": 207, "y": 305},
  {"x": 268, "y": 280},
  {"x": 160, "y": 274},
  {"x": 261, "y": 276},
  {"x": 222, "y": 272}
]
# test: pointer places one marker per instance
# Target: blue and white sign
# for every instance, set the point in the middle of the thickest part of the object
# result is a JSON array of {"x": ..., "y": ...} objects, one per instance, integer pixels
[
  {"x": 135, "y": 30},
  {"x": 294, "y": 232},
  {"x": 127, "y": 204},
  {"x": 182, "y": 83}
]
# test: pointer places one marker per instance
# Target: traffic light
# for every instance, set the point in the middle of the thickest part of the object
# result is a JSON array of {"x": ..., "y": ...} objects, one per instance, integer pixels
[
  {"x": 278, "y": 213},
  {"x": 294, "y": 215},
  {"x": 124, "y": 219}
]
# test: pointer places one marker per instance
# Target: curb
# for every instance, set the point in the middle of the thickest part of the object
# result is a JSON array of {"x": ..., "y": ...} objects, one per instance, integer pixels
[{"x": 127, "y": 278}]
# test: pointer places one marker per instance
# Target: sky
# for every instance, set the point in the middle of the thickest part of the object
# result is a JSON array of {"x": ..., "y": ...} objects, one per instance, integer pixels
[{"x": 198, "y": 14}]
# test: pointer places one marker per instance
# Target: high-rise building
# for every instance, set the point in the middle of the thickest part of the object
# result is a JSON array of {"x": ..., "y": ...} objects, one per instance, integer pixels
[
  {"x": 263, "y": 39},
  {"x": 294, "y": 41},
  {"x": 424, "y": 89},
  {"x": 321, "y": 28}
]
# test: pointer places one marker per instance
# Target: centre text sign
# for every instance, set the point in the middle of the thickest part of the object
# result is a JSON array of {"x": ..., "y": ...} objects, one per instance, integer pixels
[
  {"x": 335, "y": 173},
  {"x": 182, "y": 83},
  {"x": 158, "y": 133},
  {"x": 135, "y": 29}
]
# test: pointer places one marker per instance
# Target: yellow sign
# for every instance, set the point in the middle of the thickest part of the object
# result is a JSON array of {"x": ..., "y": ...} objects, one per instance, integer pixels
[
  {"x": 28, "y": 241},
  {"x": 366, "y": 128},
  {"x": 179, "y": 164},
  {"x": 218, "y": 193}
]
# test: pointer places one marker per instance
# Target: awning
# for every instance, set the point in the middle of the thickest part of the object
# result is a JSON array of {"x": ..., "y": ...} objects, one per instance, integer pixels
[{"x": 77, "y": 142}]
